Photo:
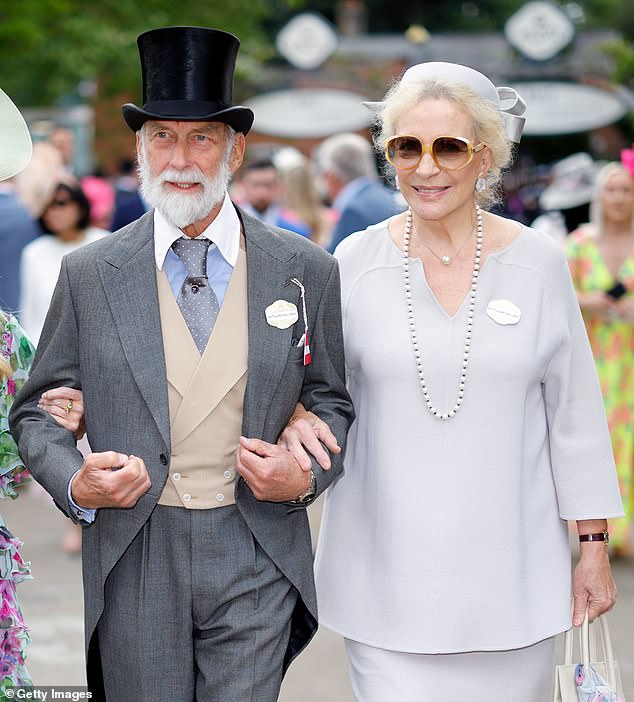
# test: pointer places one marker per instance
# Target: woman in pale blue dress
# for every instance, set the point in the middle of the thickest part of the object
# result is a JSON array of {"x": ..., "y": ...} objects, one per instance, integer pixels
[{"x": 443, "y": 555}]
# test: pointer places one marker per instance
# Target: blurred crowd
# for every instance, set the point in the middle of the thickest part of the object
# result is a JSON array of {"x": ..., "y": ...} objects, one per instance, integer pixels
[{"x": 49, "y": 210}]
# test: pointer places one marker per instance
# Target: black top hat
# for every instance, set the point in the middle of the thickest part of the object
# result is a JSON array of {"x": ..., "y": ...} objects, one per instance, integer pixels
[{"x": 188, "y": 75}]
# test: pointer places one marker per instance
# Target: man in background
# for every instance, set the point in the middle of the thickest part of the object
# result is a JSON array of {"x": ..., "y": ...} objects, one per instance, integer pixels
[
  {"x": 346, "y": 164},
  {"x": 262, "y": 191}
]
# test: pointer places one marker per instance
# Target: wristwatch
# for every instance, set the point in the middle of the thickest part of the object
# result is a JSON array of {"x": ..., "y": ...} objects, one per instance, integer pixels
[
  {"x": 310, "y": 491},
  {"x": 601, "y": 536}
]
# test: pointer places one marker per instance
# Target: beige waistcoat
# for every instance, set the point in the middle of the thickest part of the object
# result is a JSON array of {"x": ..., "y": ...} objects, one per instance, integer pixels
[{"x": 206, "y": 396}]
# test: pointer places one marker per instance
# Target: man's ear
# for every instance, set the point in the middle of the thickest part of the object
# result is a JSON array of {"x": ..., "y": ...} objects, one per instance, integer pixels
[
  {"x": 139, "y": 154},
  {"x": 237, "y": 152}
]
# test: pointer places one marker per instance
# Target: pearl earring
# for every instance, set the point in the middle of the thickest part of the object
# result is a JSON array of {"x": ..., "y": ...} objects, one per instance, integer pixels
[
  {"x": 396, "y": 183},
  {"x": 480, "y": 185}
]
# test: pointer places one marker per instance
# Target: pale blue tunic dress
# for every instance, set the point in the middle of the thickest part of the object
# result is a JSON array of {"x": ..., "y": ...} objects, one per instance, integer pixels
[{"x": 451, "y": 536}]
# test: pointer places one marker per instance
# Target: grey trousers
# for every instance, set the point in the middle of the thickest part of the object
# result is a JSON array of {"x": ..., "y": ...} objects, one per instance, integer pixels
[{"x": 195, "y": 610}]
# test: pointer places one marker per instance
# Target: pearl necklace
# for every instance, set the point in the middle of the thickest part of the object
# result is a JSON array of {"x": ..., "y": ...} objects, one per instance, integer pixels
[
  {"x": 446, "y": 260},
  {"x": 412, "y": 326}
]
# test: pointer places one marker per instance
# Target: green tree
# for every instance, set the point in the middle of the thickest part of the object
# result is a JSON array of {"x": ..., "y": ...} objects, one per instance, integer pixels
[{"x": 48, "y": 47}]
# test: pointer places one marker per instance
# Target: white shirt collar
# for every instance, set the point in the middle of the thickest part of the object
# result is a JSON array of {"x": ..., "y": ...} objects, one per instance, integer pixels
[{"x": 224, "y": 232}]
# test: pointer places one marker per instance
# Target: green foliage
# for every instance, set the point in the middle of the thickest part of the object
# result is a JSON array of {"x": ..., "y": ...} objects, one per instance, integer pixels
[
  {"x": 615, "y": 14},
  {"x": 47, "y": 47},
  {"x": 622, "y": 52}
]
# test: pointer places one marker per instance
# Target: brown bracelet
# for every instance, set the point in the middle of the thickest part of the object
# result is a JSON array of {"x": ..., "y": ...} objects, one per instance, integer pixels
[{"x": 601, "y": 536}]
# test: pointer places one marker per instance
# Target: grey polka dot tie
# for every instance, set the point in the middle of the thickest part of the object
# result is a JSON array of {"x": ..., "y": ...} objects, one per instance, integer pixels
[{"x": 196, "y": 299}]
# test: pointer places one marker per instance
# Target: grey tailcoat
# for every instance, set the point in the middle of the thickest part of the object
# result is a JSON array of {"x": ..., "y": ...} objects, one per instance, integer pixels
[{"x": 103, "y": 335}]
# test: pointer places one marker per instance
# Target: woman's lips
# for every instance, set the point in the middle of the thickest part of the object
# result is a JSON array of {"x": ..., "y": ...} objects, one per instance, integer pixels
[{"x": 429, "y": 190}]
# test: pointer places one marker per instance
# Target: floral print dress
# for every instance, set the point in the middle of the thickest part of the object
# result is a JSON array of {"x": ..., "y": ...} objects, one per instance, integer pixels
[
  {"x": 612, "y": 342},
  {"x": 18, "y": 351}
]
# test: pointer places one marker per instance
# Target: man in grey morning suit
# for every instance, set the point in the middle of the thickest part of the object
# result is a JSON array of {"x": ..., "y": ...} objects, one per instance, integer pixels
[{"x": 197, "y": 564}]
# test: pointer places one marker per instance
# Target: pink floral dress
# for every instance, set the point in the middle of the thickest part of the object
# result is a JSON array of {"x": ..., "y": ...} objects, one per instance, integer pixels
[
  {"x": 18, "y": 351},
  {"x": 612, "y": 342}
]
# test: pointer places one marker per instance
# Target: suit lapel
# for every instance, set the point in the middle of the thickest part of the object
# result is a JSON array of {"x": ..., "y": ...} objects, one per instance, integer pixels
[
  {"x": 271, "y": 263},
  {"x": 128, "y": 276}
]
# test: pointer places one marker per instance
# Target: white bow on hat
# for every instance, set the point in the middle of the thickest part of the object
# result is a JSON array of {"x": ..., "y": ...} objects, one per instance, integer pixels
[{"x": 15, "y": 140}]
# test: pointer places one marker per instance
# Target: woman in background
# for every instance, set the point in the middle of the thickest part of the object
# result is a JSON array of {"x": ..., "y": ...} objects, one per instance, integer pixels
[
  {"x": 66, "y": 218},
  {"x": 601, "y": 259},
  {"x": 65, "y": 223},
  {"x": 302, "y": 196}
]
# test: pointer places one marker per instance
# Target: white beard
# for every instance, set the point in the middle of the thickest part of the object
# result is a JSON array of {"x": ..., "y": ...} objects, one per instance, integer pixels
[{"x": 183, "y": 210}]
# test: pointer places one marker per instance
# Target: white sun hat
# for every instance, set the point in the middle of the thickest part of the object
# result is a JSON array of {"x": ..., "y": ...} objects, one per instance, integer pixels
[
  {"x": 15, "y": 140},
  {"x": 573, "y": 183}
]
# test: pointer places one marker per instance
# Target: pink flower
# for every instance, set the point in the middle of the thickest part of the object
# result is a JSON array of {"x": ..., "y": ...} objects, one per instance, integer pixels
[
  {"x": 627, "y": 159},
  {"x": 11, "y": 387}
]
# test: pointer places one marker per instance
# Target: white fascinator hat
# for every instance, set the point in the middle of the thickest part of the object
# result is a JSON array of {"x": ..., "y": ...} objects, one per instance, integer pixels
[
  {"x": 15, "y": 140},
  {"x": 507, "y": 100}
]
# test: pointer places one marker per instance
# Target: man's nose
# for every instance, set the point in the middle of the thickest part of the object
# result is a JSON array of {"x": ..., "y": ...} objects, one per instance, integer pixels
[{"x": 180, "y": 156}]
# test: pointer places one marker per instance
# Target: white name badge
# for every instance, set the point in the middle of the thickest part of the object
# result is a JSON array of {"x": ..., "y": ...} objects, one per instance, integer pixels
[
  {"x": 504, "y": 312},
  {"x": 281, "y": 314}
]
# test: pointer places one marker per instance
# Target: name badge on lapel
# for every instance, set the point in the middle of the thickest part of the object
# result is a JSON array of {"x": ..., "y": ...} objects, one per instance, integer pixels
[
  {"x": 281, "y": 314},
  {"x": 504, "y": 312}
]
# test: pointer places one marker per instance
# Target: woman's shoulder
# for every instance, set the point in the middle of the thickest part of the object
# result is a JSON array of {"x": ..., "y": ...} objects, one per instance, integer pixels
[
  {"x": 41, "y": 243},
  {"x": 585, "y": 235},
  {"x": 364, "y": 248},
  {"x": 535, "y": 250}
]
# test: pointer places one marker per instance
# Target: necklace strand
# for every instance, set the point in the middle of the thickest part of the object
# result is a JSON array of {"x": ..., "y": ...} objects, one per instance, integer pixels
[
  {"x": 412, "y": 326},
  {"x": 446, "y": 260}
]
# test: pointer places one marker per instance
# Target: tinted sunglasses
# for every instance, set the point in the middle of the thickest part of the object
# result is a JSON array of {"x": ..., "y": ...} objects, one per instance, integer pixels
[
  {"x": 62, "y": 203},
  {"x": 449, "y": 153}
]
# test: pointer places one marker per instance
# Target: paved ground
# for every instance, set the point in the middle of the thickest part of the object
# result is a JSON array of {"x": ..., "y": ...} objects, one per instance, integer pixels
[{"x": 52, "y": 605}]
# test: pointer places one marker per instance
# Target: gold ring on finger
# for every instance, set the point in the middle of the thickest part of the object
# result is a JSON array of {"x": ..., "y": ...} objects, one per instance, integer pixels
[{"x": 69, "y": 406}]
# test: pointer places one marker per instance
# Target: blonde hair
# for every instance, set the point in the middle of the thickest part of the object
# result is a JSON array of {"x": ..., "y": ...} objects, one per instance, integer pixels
[
  {"x": 596, "y": 206},
  {"x": 484, "y": 115},
  {"x": 302, "y": 196}
]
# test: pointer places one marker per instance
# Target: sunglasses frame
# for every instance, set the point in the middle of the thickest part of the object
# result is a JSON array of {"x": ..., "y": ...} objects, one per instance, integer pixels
[
  {"x": 62, "y": 203},
  {"x": 471, "y": 151}
]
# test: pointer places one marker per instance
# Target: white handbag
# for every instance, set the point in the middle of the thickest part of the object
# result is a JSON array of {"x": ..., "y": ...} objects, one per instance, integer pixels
[{"x": 608, "y": 668}]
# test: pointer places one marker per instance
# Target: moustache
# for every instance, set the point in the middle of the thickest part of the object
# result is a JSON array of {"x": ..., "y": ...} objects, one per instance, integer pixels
[{"x": 189, "y": 175}]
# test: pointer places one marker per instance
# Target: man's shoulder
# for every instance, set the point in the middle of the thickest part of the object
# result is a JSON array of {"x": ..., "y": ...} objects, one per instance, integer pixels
[
  {"x": 375, "y": 198},
  {"x": 125, "y": 238},
  {"x": 282, "y": 242}
]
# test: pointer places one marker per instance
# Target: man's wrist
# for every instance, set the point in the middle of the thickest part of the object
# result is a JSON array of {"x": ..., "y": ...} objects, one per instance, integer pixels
[
  {"x": 82, "y": 514},
  {"x": 307, "y": 495}
]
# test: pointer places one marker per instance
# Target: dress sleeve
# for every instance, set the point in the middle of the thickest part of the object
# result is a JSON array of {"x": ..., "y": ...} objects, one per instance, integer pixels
[
  {"x": 581, "y": 450},
  {"x": 18, "y": 352}
]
